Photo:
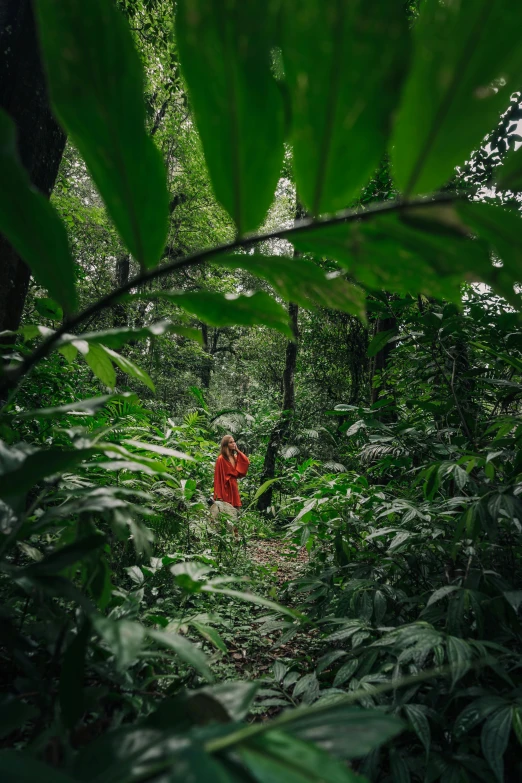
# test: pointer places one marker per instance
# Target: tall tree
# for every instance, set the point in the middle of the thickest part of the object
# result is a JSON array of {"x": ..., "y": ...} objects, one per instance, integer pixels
[
  {"x": 282, "y": 426},
  {"x": 41, "y": 141}
]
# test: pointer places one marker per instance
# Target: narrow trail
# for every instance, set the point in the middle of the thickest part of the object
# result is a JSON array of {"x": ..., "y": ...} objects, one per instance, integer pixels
[
  {"x": 255, "y": 653},
  {"x": 280, "y": 554}
]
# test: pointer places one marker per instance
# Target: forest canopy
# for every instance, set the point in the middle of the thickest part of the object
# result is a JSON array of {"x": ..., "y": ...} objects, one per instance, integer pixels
[{"x": 296, "y": 224}]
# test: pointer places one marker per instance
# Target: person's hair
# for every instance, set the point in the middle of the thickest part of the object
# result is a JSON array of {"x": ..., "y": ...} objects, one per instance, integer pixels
[{"x": 224, "y": 446}]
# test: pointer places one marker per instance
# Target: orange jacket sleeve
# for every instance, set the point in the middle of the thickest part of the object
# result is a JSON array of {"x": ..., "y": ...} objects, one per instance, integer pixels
[{"x": 242, "y": 464}]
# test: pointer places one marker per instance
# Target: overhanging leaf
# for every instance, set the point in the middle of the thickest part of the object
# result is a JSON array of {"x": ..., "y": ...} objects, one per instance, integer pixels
[
  {"x": 228, "y": 309},
  {"x": 343, "y": 64},
  {"x": 467, "y": 62},
  {"x": 118, "y": 337},
  {"x": 303, "y": 282},
  {"x": 423, "y": 249},
  {"x": 224, "y": 48},
  {"x": 96, "y": 86},
  {"x": 44, "y": 247}
]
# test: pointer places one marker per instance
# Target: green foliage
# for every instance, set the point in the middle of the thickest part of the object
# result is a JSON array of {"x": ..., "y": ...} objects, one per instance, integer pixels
[
  {"x": 44, "y": 248},
  {"x": 465, "y": 65},
  {"x": 239, "y": 111},
  {"x": 344, "y": 66},
  {"x": 122, "y": 629},
  {"x": 95, "y": 80}
]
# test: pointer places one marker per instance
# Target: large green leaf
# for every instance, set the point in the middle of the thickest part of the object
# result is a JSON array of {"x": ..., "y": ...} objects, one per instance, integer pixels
[
  {"x": 228, "y": 309},
  {"x": 494, "y": 740},
  {"x": 96, "y": 87},
  {"x": 467, "y": 62},
  {"x": 277, "y": 757},
  {"x": 127, "y": 366},
  {"x": 346, "y": 732},
  {"x": 123, "y": 637},
  {"x": 101, "y": 365},
  {"x": 81, "y": 407},
  {"x": 425, "y": 249},
  {"x": 40, "y": 465},
  {"x": 120, "y": 336},
  {"x": 502, "y": 229},
  {"x": 224, "y": 48},
  {"x": 301, "y": 281},
  {"x": 343, "y": 64},
  {"x": 32, "y": 225},
  {"x": 186, "y": 650}
]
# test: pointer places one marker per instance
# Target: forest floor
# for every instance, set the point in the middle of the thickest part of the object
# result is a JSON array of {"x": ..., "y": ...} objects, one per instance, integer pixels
[{"x": 254, "y": 651}]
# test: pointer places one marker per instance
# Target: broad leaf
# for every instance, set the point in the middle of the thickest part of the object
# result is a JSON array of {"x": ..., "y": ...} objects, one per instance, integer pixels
[
  {"x": 423, "y": 249},
  {"x": 225, "y": 52},
  {"x": 80, "y": 408},
  {"x": 44, "y": 245},
  {"x": 124, "y": 638},
  {"x": 228, "y": 309},
  {"x": 128, "y": 367},
  {"x": 118, "y": 337},
  {"x": 344, "y": 64},
  {"x": 71, "y": 692},
  {"x": 96, "y": 87},
  {"x": 40, "y": 465},
  {"x": 419, "y": 722},
  {"x": 346, "y": 732},
  {"x": 186, "y": 650},
  {"x": 502, "y": 229},
  {"x": 66, "y": 556},
  {"x": 303, "y": 282},
  {"x": 101, "y": 365},
  {"x": 49, "y": 309},
  {"x": 467, "y": 62},
  {"x": 278, "y": 757},
  {"x": 494, "y": 740}
]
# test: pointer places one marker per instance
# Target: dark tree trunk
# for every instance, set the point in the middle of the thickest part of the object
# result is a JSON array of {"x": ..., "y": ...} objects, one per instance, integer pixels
[
  {"x": 381, "y": 359},
  {"x": 281, "y": 429},
  {"x": 40, "y": 140},
  {"x": 207, "y": 362},
  {"x": 122, "y": 277}
]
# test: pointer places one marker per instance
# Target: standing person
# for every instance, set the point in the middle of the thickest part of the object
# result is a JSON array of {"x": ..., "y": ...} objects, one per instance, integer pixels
[{"x": 230, "y": 465}]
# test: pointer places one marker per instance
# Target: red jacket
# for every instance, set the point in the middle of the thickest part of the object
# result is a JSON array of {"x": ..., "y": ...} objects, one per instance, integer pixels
[{"x": 226, "y": 476}]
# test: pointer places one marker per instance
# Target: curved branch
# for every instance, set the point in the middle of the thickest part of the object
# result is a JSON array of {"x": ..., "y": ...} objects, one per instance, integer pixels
[{"x": 13, "y": 375}]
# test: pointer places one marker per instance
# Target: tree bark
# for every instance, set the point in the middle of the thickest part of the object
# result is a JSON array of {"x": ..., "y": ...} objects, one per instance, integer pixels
[
  {"x": 121, "y": 278},
  {"x": 382, "y": 357},
  {"x": 281, "y": 428},
  {"x": 40, "y": 140}
]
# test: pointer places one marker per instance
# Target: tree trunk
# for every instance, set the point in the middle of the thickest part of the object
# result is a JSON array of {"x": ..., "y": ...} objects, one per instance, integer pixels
[
  {"x": 40, "y": 140},
  {"x": 122, "y": 277},
  {"x": 281, "y": 428},
  {"x": 207, "y": 362},
  {"x": 380, "y": 362}
]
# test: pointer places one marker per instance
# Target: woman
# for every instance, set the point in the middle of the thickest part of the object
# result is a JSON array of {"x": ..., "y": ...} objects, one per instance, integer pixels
[{"x": 230, "y": 465}]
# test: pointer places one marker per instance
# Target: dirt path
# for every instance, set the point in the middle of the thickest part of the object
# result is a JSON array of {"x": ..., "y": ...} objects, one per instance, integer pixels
[{"x": 278, "y": 553}]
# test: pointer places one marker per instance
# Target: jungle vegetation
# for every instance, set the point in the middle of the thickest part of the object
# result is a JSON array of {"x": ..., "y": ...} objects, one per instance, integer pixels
[{"x": 297, "y": 222}]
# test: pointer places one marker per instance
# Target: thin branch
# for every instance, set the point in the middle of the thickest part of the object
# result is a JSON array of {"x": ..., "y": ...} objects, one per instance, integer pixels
[{"x": 13, "y": 375}]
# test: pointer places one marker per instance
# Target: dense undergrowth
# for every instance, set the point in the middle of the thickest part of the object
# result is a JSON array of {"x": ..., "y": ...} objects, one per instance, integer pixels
[
  {"x": 364, "y": 623},
  {"x": 408, "y": 601}
]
